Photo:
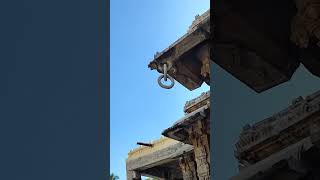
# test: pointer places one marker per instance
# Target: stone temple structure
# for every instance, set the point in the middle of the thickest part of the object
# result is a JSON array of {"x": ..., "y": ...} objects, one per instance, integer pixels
[
  {"x": 185, "y": 151},
  {"x": 283, "y": 146},
  {"x": 260, "y": 51},
  {"x": 194, "y": 129}
]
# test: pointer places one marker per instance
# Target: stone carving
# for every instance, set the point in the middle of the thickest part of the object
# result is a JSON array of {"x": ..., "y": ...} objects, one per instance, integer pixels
[
  {"x": 187, "y": 165},
  {"x": 198, "y": 102},
  {"x": 290, "y": 125},
  {"x": 198, "y": 20},
  {"x": 200, "y": 142}
]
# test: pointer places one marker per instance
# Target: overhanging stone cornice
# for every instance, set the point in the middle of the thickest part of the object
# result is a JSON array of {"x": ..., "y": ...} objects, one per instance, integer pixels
[
  {"x": 179, "y": 130},
  {"x": 188, "y": 56}
]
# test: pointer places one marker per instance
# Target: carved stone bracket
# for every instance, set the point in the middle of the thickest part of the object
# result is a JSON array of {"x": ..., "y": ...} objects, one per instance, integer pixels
[{"x": 204, "y": 56}]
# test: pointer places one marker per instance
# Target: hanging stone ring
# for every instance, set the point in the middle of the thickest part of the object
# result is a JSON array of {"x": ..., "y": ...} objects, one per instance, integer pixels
[
  {"x": 163, "y": 85},
  {"x": 165, "y": 76}
]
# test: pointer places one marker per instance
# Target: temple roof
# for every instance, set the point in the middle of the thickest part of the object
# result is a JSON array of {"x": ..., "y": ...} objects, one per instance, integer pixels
[{"x": 200, "y": 107}]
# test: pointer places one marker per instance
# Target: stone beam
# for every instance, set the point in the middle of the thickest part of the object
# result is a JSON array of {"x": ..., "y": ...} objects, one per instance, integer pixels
[{"x": 158, "y": 156}]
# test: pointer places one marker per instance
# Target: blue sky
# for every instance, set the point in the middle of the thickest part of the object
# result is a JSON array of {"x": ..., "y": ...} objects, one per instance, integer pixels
[{"x": 140, "y": 109}]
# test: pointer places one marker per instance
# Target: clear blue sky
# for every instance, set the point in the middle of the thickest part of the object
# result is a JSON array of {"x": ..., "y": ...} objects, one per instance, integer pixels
[{"x": 140, "y": 109}]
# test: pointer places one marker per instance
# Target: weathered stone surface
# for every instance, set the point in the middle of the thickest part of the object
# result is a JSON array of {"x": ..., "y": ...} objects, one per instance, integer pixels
[
  {"x": 179, "y": 131},
  {"x": 194, "y": 129},
  {"x": 196, "y": 110},
  {"x": 262, "y": 43},
  {"x": 306, "y": 22},
  {"x": 188, "y": 167},
  {"x": 251, "y": 44},
  {"x": 200, "y": 141},
  {"x": 305, "y": 33}
]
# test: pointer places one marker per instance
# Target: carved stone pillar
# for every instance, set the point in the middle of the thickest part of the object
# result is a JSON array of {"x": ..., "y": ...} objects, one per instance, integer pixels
[
  {"x": 187, "y": 165},
  {"x": 200, "y": 141}
]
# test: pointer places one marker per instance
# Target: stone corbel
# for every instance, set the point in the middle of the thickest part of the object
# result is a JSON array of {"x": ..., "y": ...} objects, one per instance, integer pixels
[{"x": 204, "y": 56}]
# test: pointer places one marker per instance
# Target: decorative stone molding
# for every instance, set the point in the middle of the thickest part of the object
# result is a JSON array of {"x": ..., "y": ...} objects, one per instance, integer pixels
[
  {"x": 196, "y": 103},
  {"x": 287, "y": 127},
  {"x": 199, "y": 20}
]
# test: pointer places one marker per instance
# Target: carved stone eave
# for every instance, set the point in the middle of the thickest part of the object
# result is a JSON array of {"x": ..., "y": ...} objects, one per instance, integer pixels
[
  {"x": 179, "y": 130},
  {"x": 189, "y": 56}
]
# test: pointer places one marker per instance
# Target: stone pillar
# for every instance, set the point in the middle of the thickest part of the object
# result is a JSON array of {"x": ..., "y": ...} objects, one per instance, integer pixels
[
  {"x": 200, "y": 141},
  {"x": 187, "y": 165}
]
